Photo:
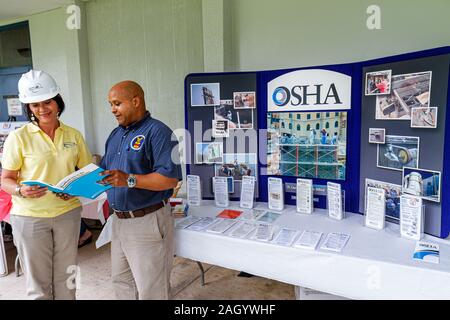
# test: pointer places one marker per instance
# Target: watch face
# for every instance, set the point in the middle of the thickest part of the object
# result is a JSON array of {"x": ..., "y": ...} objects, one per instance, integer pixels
[{"x": 131, "y": 181}]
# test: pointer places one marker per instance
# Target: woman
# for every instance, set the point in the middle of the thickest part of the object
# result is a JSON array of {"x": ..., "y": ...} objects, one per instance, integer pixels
[{"x": 45, "y": 225}]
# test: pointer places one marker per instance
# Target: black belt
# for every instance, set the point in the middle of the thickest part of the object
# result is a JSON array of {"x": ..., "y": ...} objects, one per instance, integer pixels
[{"x": 140, "y": 212}]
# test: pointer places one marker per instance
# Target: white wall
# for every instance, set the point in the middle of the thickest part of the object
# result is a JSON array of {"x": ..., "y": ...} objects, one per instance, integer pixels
[
  {"x": 280, "y": 34},
  {"x": 155, "y": 43}
]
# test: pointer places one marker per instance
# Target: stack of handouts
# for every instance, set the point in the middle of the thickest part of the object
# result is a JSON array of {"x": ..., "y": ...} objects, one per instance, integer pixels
[{"x": 180, "y": 210}]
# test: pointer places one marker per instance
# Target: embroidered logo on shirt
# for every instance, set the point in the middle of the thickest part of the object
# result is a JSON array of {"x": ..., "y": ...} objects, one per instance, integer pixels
[
  {"x": 137, "y": 142},
  {"x": 69, "y": 144}
]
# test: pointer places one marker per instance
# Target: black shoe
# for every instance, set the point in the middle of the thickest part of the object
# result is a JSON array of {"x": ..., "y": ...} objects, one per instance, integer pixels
[
  {"x": 245, "y": 274},
  {"x": 85, "y": 242}
]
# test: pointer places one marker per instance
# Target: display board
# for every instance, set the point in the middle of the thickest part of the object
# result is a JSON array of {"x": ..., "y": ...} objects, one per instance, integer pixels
[
  {"x": 404, "y": 127},
  {"x": 316, "y": 123},
  {"x": 231, "y": 102}
]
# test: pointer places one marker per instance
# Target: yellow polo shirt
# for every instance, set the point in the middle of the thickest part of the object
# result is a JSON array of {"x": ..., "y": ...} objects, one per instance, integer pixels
[{"x": 31, "y": 152}]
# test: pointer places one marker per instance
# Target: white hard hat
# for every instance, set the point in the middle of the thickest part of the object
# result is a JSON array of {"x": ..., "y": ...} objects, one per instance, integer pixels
[{"x": 36, "y": 86}]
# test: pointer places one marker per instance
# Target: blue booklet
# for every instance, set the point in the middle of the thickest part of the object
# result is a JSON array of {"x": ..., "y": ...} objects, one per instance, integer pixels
[
  {"x": 426, "y": 251},
  {"x": 81, "y": 183}
]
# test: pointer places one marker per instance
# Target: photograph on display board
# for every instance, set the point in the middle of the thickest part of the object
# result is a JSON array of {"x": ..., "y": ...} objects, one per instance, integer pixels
[
  {"x": 422, "y": 183},
  {"x": 377, "y": 135},
  {"x": 237, "y": 118},
  {"x": 398, "y": 152},
  {"x": 205, "y": 94},
  {"x": 237, "y": 165},
  {"x": 230, "y": 183},
  {"x": 408, "y": 91},
  {"x": 244, "y": 100},
  {"x": 208, "y": 153},
  {"x": 220, "y": 129},
  {"x": 424, "y": 117},
  {"x": 378, "y": 82},
  {"x": 392, "y": 196},
  {"x": 307, "y": 144}
]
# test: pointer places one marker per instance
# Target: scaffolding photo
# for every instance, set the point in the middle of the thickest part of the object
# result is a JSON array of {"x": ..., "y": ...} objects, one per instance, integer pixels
[{"x": 310, "y": 145}]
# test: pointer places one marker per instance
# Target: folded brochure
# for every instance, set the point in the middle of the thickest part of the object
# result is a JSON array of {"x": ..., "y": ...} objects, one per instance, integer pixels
[
  {"x": 229, "y": 214},
  {"x": 426, "y": 251},
  {"x": 81, "y": 183}
]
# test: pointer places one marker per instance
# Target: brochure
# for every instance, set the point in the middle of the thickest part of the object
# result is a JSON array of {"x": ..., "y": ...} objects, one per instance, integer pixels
[
  {"x": 264, "y": 232},
  {"x": 186, "y": 222},
  {"x": 229, "y": 214},
  {"x": 81, "y": 183},
  {"x": 276, "y": 194},
  {"x": 285, "y": 237},
  {"x": 247, "y": 192},
  {"x": 376, "y": 208},
  {"x": 335, "y": 242},
  {"x": 305, "y": 196},
  {"x": 194, "y": 195},
  {"x": 201, "y": 224},
  {"x": 308, "y": 240},
  {"x": 269, "y": 217},
  {"x": 221, "y": 191},
  {"x": 411, "y": 217},
  {"x": 242, "y": 230},
  {"x": 221, "y": 226},
  {"x": 252, "y": 215},
  {"x": 427, "y": 252},
  {"x": 334, "y": 199}
]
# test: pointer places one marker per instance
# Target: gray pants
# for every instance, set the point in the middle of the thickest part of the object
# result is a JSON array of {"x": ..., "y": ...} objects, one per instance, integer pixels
[
  {"x": 47, "y": 250},
  {"x": 142, "y": 255}
]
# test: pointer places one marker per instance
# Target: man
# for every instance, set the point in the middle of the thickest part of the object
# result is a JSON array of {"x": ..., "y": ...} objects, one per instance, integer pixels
[{"x": 139, "y": 164}]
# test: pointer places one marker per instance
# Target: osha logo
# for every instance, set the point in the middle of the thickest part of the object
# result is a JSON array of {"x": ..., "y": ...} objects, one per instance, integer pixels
[
  {"x": 281, "y": 96},
  {"x": 306, "y": 95},
  {"x": 309, "y": 90},
  {"x": 36, "y": 88}
]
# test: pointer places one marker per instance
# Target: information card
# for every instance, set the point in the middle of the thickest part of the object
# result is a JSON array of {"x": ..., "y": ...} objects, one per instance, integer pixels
[
  {"x": 308, "y": 240},
  {"x": 247, "y": 192},
  {"x": 243, "y": 229},
  {"x": 334, "y": 198},
  {"x": 194, "y": 194},
  {"x": 305, "y": 196},
  {"x": 335, "y": 242},
  {"x": 221, "y": 191},
  {"x": 411, "y": 217},
  {"x": 264, "y": 232},
  {"x": 285, "y": 237},
  {"x": 376, "y": 208},
  {"x": 276, "y": 194}
]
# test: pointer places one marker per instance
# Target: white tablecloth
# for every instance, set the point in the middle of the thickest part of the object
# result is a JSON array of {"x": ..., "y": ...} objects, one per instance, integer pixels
[{"x": 373, "y": 265}]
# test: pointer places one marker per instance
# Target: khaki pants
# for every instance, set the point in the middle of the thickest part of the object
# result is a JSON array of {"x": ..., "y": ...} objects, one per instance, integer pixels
[
  {"x": 142, "y": 255},
  {"x": 47, "y": 249}
]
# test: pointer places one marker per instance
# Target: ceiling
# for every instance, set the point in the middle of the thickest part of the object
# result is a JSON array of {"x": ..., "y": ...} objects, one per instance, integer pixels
[{"x": 21, "y": 8}]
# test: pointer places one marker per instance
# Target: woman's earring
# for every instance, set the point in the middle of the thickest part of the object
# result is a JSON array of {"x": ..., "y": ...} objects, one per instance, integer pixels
[
  {"x": 32, "y": 117},
  {"x": 57, "y": 115}
]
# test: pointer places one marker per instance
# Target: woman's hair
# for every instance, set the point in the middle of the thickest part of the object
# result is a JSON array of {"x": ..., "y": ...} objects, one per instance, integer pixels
[{"x": 59, "y": 101}]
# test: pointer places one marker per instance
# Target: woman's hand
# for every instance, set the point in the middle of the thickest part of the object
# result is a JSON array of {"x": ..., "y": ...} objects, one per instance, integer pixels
[
  {"x": 63, "y": 196},
  {"x": 32, "y": 191}
]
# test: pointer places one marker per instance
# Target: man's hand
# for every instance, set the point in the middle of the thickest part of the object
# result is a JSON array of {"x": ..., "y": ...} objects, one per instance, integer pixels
[
  {"x": 63, "y": 196},
  {"x": 115, "y": 178}
]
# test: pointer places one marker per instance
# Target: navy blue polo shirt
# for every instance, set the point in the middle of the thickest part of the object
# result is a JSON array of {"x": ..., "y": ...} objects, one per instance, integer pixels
[{"x": 144, "y": 147}]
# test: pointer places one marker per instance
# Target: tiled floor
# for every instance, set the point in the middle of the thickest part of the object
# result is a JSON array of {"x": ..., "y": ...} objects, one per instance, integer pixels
[{"x": 186, "y": 283}]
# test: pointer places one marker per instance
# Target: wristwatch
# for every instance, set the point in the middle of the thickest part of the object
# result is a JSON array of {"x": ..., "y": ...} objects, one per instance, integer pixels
[
  {"x": 17, "y": 191},
  {"x": 131, "y": 181}
]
